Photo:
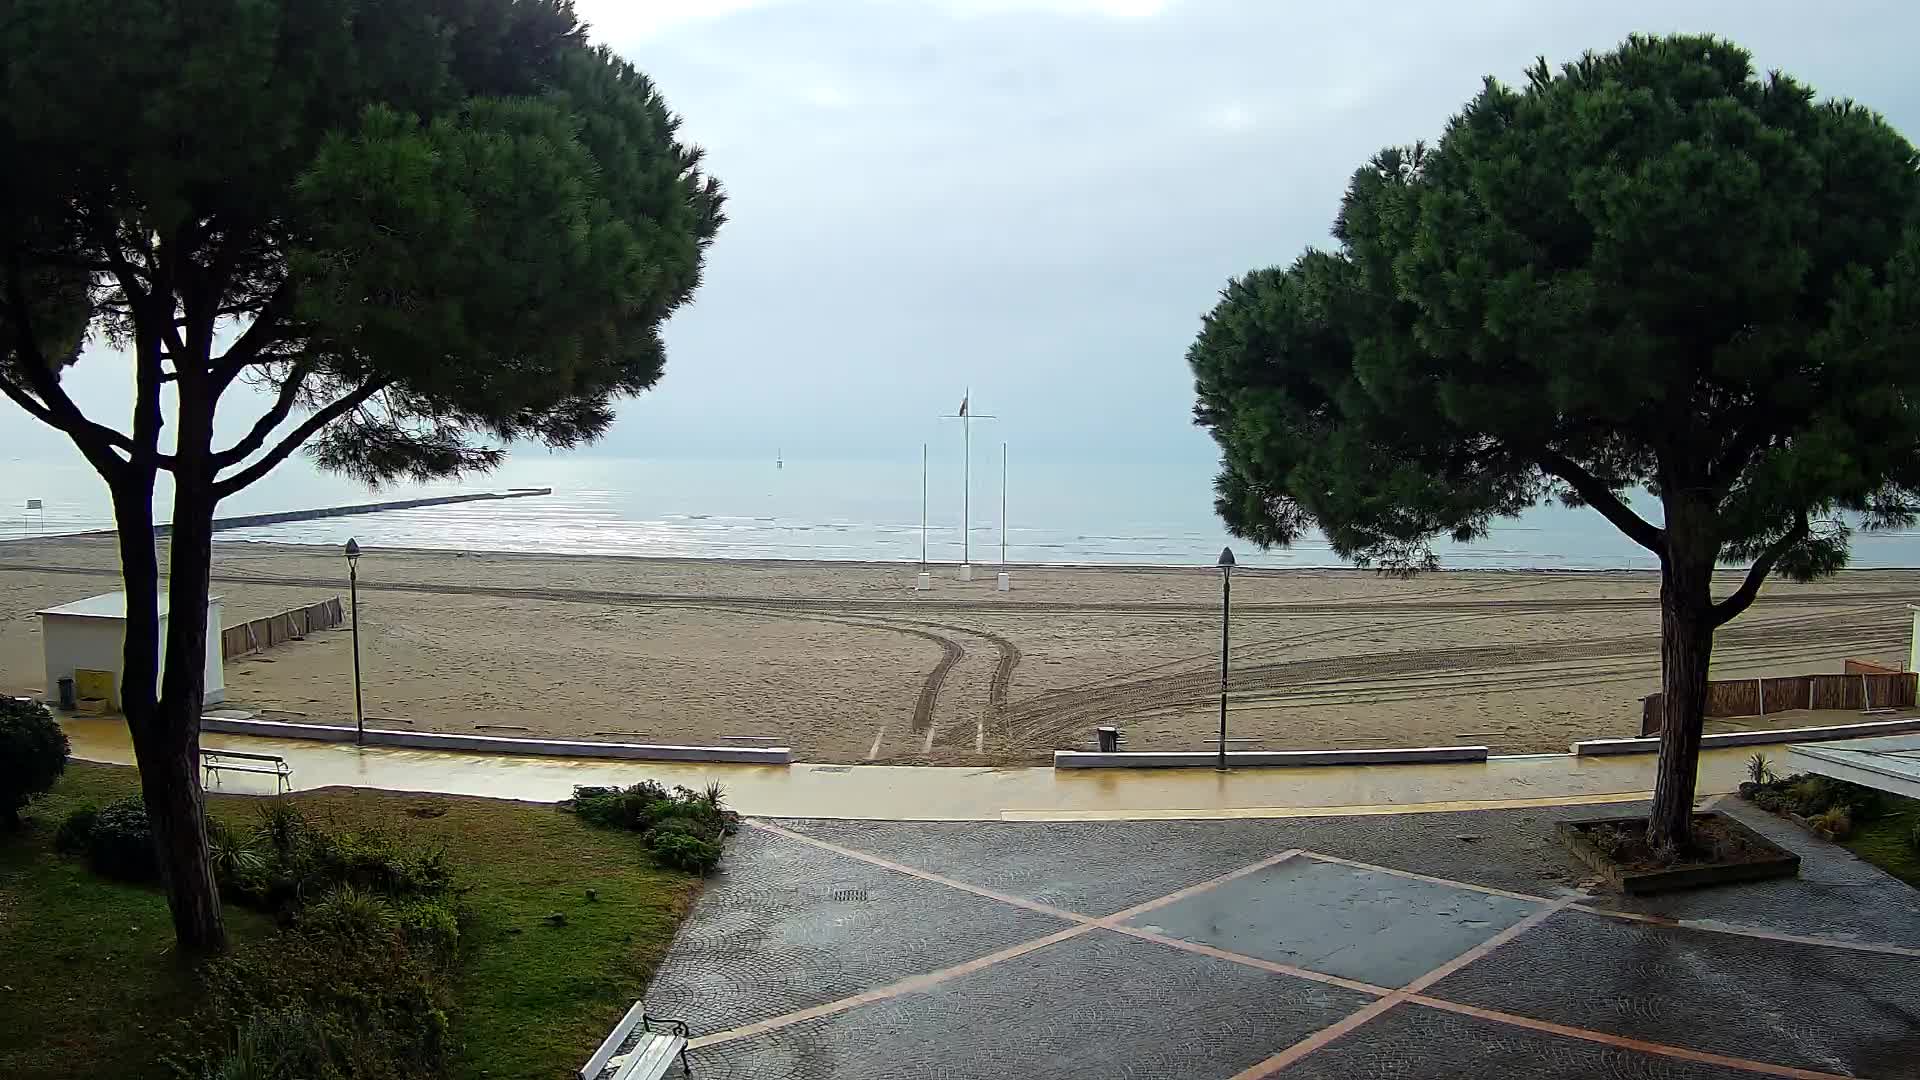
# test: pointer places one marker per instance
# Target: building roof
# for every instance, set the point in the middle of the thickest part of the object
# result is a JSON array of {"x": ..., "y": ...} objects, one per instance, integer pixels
[
  {"x": 1890, "y": 763},
  {"x": 111, "y": 605}
]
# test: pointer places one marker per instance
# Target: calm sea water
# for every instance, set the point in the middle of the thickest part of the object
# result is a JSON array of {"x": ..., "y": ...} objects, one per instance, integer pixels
[{"x": 866, "y": 510}]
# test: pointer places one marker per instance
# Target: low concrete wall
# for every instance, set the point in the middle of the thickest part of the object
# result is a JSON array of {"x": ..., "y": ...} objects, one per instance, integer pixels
[
  {"x": 1083, "y": 759},
  {"x": 497, "y": 744},
  {"x": 1592, "y": 747}
]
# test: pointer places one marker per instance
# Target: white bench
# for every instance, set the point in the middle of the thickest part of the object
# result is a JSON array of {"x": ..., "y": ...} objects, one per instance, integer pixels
[
  {"x": 660, "y": 1042},
  {"x": 213, "y": 762}
]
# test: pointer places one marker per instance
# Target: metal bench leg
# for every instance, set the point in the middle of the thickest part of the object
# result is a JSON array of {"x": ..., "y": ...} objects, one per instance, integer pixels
[{"x": 684, "y": 1067}]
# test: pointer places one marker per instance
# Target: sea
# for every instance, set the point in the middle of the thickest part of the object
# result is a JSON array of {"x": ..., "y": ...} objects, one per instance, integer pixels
[{"x": 1157, "y": 514}]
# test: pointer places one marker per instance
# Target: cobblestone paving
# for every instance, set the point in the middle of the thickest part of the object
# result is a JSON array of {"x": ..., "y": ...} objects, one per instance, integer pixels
[
  {"x": 827, "y": 952},
  {"x": 1802, "y": 1005}
]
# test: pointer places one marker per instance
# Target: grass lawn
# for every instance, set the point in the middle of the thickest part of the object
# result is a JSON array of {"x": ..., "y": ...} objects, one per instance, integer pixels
[
  {"x": 1886, "y": 841},
  {"x": 89, "y": 979}
]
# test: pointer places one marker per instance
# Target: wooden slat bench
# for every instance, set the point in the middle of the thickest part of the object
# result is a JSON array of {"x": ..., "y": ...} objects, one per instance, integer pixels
[
  {"x": 660, "y": 1042},
  {"x": 214, "y": 762}
]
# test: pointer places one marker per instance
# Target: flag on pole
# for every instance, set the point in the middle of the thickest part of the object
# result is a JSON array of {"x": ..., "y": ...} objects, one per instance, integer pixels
[
  {"x": 33, "y": 504},
  {"x": 963, "y": 402}
]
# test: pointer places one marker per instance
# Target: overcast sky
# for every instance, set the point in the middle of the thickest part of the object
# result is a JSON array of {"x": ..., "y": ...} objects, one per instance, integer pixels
[{"x": 1039, "y": 198}]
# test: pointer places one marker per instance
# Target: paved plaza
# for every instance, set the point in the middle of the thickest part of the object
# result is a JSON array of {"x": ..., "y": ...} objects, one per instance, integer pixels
[{"x": 1410, "y": 946}]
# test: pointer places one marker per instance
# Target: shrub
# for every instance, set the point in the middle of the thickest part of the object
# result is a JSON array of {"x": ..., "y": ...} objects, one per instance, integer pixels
[
  {"x": 683, "y": 828},
  {"x": 369, "y": 1005},
  {"x": 76, "y": 832},
  {"x": 1760, "y": 770},
  {"x": 33, "y": 754},
  {"x": 120, "y": 844},
  {"x": 1835, "y": 821},
  {"x": 280, "y": 1044}
]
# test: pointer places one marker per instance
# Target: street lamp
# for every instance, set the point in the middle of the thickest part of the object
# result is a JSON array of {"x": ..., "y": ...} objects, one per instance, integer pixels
[
  {"x": 1226, "y": 605},
  {"x": 353, "y": 590}
]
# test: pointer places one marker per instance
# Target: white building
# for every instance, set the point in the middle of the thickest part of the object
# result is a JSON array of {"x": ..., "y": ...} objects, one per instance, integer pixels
[{"x": 90, "y": 635}]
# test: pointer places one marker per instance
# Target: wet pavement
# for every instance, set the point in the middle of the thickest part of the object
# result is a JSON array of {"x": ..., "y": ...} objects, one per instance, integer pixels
[{"x": 1421, "y": 945}]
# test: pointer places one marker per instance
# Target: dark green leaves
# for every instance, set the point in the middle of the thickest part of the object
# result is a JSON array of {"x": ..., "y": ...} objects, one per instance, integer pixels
[{"x": 1652, "y": 268}]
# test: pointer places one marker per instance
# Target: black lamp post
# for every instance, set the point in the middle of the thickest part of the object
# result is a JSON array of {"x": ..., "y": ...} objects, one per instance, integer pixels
[
  {"x": 1226, "y": 605},
  {"x": 353, "y": 590}
]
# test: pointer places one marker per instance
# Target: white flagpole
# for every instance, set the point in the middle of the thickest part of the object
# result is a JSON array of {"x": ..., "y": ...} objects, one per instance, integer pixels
[
  {"x": 1003, "y": 505},
  {"x": 923, "y": 506},
  {"x": 966, "y": 485}
]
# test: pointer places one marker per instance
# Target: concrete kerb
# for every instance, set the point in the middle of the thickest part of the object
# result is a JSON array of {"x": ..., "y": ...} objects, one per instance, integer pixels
[
  {"x": 1082, "y": 759},
  {"x": 1651, "y": 744},
  {"x": 498, "y": 744}
]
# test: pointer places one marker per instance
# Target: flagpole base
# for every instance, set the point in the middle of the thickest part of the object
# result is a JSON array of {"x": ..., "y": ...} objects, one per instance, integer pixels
[{"x": 966, "y": 571}]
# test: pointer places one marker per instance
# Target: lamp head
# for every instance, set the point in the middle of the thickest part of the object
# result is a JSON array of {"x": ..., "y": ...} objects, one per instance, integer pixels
[
  {"x": 353, "y": 550},
  {"x": 1226, "y": 558}
]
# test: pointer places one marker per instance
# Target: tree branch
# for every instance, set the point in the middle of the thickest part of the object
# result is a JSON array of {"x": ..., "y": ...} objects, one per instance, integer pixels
[
  {"x": 54, "y": 407},
  {"x": 1601, "y": 498},
  {"x": 293, "y": 441},
  {"x": 263, "y": 427},
  {"x": 1742, "y": 598}
]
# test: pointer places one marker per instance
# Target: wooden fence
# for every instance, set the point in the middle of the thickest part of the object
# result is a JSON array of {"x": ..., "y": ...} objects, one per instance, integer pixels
[
  {"x": 1758, "y": 697},
  {"x": 262, "y": 634}
]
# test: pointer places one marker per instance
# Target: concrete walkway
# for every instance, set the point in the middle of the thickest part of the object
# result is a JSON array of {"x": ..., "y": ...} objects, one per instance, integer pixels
[
  {"x": 924, "y": 793},
  {"x": 1413, "y": 946}
]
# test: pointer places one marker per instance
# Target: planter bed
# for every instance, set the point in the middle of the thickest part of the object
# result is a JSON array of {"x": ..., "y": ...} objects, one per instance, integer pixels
[{"x": 1616, "y": 848}]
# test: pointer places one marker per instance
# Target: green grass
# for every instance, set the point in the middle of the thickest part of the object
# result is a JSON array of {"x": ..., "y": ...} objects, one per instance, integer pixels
[
  {"x": 90, "y": 978},
  {"x": 1886, "y": 841}
]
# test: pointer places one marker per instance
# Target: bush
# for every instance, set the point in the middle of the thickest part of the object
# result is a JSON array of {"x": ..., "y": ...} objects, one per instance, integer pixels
[
  {"x": 683, "y": 828},
  {"x": 76, "y": 832},
  {"x": 33, "y": 754},
  {"x": 1813, "y": 797},
  {"x": 1835, "y": 821},
  {"x": 281, "y": 1044},
  {"x": 357, "y": 998},
  {"x": 120, "y": 844}
]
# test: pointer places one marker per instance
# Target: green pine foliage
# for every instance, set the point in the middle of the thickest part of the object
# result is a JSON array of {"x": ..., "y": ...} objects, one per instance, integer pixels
[{"x": 1653, "y": 269}]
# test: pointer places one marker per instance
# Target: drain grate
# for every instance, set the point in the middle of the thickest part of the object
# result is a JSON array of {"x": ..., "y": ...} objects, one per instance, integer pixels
[{"x": 848, "y": 895}]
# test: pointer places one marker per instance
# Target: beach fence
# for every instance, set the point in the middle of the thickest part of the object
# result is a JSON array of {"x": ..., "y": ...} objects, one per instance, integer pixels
[
  {"x": 261, "y": 634},
  {"x": 1865, "y": 686}
]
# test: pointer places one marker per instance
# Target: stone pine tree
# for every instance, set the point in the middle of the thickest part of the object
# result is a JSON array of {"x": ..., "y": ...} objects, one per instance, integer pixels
[
  {"x": 418, "y": 230},
  {"x": 1653, "y": 269}
]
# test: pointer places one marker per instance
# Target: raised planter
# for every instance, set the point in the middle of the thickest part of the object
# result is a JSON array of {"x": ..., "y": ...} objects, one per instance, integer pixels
[{"x": 1760, "y": 858}]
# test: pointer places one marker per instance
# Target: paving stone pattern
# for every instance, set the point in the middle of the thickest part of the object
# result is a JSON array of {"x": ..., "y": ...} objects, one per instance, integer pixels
[
  {"x": 1411, "y": 1042},
  {"x": 1809, "y": 1006},
  {"x": 768, "y": 935},
  {"x": 787, "y": 926},
  {"x": 1095, "y": 1007},
  {"x": 1375, "y": 927}
]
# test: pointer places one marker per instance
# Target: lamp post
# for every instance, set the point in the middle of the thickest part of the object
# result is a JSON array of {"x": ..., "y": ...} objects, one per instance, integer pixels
[
  {"x": 1226, "y": 606},
  {"x": 353, "y": 591}
]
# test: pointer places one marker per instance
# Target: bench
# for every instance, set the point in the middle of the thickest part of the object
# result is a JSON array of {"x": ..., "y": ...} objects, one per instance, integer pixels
[
  {"x": 213, "y": 762},
  {"x": 659, "y": 1043}
]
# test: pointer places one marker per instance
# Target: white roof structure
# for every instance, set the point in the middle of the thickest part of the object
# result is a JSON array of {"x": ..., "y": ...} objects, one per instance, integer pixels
[
  {"x": 111, "y": 605},
  {"x": 1889, "y": 763}
]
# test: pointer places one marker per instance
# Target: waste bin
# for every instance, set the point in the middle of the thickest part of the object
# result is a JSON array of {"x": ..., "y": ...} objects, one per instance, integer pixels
[
  {"x": 1109, "y": 739},
  {"x": 68, "y": 700}
]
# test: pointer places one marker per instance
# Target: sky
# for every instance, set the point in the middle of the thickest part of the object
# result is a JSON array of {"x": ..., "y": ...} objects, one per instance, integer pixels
[{"x": 1038, "y": 199}]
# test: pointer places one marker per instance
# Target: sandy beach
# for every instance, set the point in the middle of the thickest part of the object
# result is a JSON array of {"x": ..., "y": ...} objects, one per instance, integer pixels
[{"x": 846, "y": 663}]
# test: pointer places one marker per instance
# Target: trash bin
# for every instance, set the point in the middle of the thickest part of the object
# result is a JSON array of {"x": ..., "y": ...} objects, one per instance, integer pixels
[
  {"x": 68, "y": 700},
  {"x": 1109, "y": 739}
]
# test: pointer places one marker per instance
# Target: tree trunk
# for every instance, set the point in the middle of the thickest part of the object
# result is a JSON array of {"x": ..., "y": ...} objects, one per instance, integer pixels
[
  {"x": 1686, "y": 649},
  {"x": 166, "y": 726}
]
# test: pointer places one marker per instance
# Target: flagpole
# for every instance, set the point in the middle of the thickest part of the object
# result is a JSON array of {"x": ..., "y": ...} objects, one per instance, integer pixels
[
  {"x": 966, "y": 486},
  {"x": 923, "y": 506},
  {"x": 1003, "y": 505},
  {"x": 966, "y": 417}
]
